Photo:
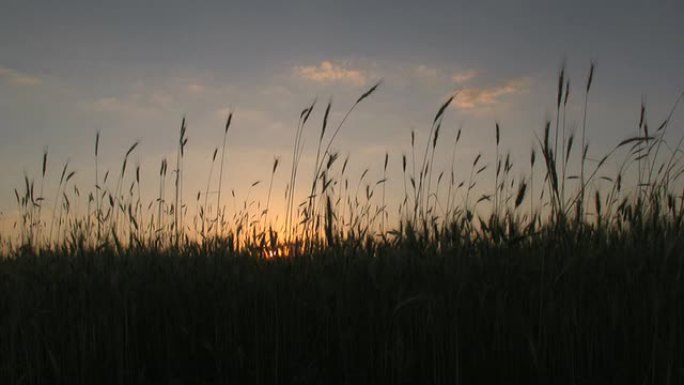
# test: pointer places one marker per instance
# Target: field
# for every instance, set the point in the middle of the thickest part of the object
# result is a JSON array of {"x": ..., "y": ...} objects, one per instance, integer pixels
[{"x": 545, "y": 279}]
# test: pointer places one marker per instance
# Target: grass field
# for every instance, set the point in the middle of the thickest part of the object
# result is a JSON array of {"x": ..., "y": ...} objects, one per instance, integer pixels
[{"x": 552, "y": 278}]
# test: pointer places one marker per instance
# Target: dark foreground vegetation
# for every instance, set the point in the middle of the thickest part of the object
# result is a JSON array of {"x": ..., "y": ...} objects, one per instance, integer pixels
[
  {"x": 585, "y": 307},
  {"x": 578, "y": 281}
]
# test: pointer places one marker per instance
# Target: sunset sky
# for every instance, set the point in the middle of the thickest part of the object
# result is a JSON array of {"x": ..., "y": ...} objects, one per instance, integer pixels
[{"x": 133, "y": 69}]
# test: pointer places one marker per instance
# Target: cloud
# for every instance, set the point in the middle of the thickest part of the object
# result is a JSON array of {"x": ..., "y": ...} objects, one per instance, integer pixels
[
  {"x": 108, "y": 104},
  {"x": 432, "y": 74},
  {"x": 145, "y": 98},
  {"x": 18, "y": 78},
  {"x": 463, "y": 76},
  {"x": 425, "y": 72},
  {"x": 195, "y": 87},
  {"x": 473, "y": 97},
  {"x": 328, "y": 72},
  {"x": 156, "y": 101}
]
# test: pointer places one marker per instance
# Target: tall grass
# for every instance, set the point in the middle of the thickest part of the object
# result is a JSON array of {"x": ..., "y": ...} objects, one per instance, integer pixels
[{"x": 219, "y": 220}]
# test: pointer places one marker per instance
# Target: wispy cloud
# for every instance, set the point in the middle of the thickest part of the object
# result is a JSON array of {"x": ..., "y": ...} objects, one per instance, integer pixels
[
  {"x": 19, "y": 78},
  {"x": 108, "y": 104},
  {"x": 195, "y": 88},
  {"x": 195, "y": 95},
  {"x": 473, "y": 97},
  {"x": 133, "y": 103},
  {"x": 425, "y": 72},
  {"x": 328, "y": 72},
  {"x": 433, "y": 74},
  {"x": 463, "y": 76}
]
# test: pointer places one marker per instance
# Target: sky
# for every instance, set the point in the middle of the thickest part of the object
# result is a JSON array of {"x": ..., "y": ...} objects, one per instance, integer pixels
[{"x": 133, "y": 69}]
